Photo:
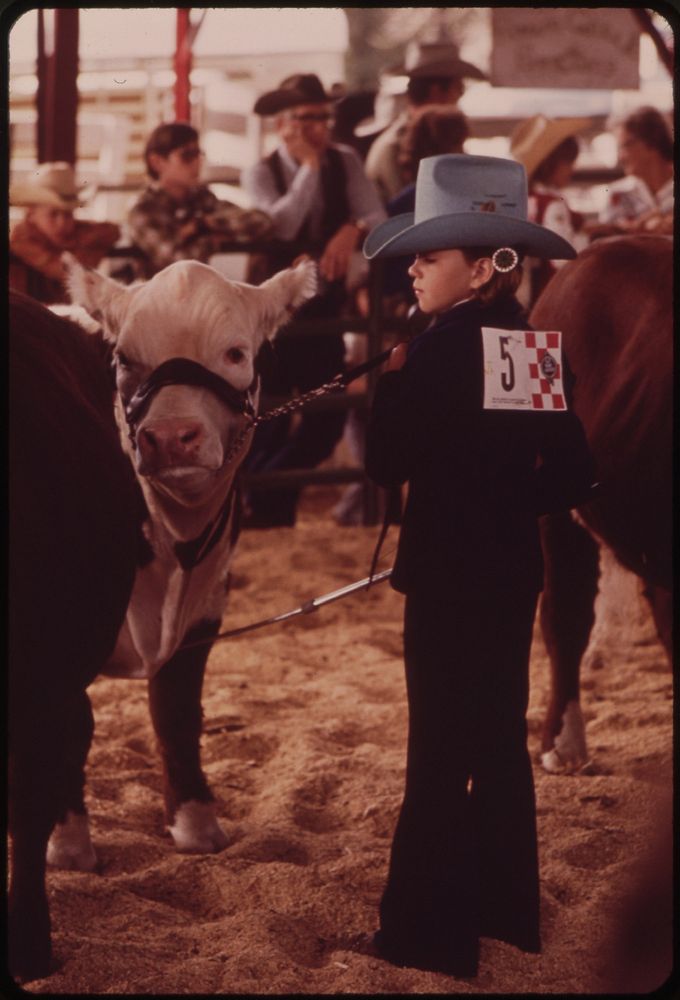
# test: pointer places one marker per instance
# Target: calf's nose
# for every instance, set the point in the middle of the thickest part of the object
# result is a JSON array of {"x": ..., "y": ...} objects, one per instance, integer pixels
[{"x": 171, "y": 442}]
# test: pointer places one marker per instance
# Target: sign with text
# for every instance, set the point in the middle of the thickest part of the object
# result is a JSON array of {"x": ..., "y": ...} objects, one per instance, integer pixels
[
  {"x": 565, "y": 47},
  {"x": 523, "y": 370}
]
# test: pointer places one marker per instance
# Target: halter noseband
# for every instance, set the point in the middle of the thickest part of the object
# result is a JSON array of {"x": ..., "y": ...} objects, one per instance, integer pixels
[{"x": 183, "y": 371}]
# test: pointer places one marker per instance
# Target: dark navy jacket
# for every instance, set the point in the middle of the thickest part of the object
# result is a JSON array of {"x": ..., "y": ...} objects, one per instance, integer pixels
[{"x": 478, "y": 479}]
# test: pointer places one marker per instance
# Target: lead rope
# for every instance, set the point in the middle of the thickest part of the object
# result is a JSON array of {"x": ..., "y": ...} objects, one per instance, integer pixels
[{"x": 336, "y": 384}]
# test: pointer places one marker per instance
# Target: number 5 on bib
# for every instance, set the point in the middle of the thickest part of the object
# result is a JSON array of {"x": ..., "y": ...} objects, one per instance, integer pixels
[{"x": 523, "y": 370}]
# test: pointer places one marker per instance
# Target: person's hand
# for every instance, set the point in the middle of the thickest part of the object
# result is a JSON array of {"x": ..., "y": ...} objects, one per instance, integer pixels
[
  {"x": 397, "y": 358},
  {"x": 335, "y": 259},
  {"x": 301, "y": 149}
]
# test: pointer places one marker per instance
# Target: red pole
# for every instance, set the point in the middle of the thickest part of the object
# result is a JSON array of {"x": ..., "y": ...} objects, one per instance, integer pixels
[
  {"x": 182, "y": 66},
  {"x": 57, "y": 97}
]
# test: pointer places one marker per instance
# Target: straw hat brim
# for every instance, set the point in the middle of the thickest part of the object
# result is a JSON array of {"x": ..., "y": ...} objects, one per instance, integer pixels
[
  {"x": 531, "y": 152},
  {"x": 26, "y": 194},
  {"x": 401, "y": 236}
]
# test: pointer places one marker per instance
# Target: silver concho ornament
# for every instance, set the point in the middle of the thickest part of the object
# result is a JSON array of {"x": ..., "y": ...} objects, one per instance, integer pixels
[{"x": 505, "y": 259}]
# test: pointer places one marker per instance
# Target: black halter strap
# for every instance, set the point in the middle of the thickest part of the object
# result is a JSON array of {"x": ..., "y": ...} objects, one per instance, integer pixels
[{"x": 183, "y": 371}]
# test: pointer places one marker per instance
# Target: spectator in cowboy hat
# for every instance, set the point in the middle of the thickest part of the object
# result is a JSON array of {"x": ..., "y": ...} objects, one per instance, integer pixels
[
  {"x": 50, "y": 196},
  {"x": 435, "y": 76},
  {"x": 548, "y": 148},
  {"x": 322, "y": 204},
  {"x": 480, "y": 472}
]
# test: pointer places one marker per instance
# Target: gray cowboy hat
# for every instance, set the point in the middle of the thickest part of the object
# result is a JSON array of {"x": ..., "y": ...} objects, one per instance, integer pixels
[
  {"x": 301, "y": 88},
  {"x": 467, "y": 201}
]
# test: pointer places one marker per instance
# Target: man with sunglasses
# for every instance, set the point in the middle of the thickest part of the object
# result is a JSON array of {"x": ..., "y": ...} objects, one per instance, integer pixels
[
  {"x": 322, "y": 204},
  {"x": 178, "y": 218}
]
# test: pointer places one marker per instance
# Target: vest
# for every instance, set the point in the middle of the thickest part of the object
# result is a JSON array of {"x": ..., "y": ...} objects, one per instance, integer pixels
[{"x": 336, "y": 212}]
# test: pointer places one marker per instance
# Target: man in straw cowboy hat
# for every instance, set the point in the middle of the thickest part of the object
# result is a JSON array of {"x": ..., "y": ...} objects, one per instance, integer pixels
[
  {"x": 483, "y": 462},
  {"x": 548, "y": 149},
  {"x": 48, "y": 228},
  {"x": 435, "y": 76},
  {"x": 323, "y": 204}
]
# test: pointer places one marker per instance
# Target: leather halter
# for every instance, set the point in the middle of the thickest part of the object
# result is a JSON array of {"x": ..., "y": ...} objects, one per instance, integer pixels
[{"x": 183, "y": 371}]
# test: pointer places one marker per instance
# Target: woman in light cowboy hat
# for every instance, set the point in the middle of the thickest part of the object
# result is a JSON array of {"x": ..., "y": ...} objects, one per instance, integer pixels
[
  {"x": 548, "y": 148},
  {"x": 464, "y": 857},
  {"x": 50, "y": 195}
]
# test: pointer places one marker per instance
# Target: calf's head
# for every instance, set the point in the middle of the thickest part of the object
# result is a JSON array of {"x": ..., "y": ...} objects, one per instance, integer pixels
[{"x": 185, "y": 350}]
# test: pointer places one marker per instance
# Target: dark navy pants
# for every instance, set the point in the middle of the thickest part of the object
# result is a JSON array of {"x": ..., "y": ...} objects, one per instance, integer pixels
[{"x": 464, "y": 856}]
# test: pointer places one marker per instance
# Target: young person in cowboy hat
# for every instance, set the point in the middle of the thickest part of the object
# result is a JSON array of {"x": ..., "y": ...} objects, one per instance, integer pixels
[
  {"x": 464, "y": 856},
  {"x": 50, "y": 195},
  {"x": 178, "y": 218},
  {"x": 548, "y": 149},
  {"x": 436, "y": 75},
  {"x": 323, "y": 204}
]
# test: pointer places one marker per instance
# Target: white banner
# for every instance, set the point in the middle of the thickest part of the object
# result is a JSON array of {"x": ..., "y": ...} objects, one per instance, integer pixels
[
  {"x": 590, "y": 47},
  {"x": 523, "y": 370}
]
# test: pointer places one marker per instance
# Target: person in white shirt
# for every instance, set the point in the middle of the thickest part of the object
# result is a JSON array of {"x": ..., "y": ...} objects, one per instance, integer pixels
[
  {"x": 323, "y": 205},
  {"x": 643, "y": 200}
]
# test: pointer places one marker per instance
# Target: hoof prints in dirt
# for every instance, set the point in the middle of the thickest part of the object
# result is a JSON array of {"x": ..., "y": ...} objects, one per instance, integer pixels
[
  {"x": 600, "y": 850},
  {"x": 310, "y": 804},
  {"x": 273, "y": 848},
  {"x": 186, "y": 890},
  {"x": 299, "y": 941}
]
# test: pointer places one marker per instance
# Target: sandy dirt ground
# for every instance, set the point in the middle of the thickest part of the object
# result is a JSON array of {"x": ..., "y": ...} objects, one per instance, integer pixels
[{"x": 304, "y": 740}]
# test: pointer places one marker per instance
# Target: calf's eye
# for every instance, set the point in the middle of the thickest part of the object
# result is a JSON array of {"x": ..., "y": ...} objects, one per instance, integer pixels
[{"x": 235, "y": 355}]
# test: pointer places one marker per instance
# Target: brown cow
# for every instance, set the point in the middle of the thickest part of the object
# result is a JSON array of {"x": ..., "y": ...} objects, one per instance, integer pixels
[{"x": 613, "y": 304}]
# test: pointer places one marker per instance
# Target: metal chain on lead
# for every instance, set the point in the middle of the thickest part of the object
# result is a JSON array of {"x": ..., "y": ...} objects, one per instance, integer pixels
[{"x": 279, "y": 411}]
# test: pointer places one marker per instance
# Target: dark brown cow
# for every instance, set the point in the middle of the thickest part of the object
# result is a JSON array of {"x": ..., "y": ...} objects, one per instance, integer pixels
[
  {"x": 72, "y": 567},
  {"x": 613, "y": 304}
]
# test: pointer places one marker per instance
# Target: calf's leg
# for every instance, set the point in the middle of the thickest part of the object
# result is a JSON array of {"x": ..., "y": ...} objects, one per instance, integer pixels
[
  {"x": 567, "y": 615},
  {"x": 176, "y": 713}
]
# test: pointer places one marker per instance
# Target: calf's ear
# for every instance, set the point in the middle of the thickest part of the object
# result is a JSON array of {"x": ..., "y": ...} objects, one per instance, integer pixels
[
  {"x": 281, "y": 295},
  {"x": 104, "y": 299}
]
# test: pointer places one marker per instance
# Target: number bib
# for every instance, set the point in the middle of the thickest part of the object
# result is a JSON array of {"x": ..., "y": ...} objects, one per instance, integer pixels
[{"x": 523, "y": 370}]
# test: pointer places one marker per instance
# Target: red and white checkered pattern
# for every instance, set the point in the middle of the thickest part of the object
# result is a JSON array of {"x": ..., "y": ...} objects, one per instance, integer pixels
[{"x": 545, "y": 395}]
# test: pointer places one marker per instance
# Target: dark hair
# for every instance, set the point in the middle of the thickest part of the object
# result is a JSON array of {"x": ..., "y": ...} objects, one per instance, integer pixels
[
  {"x": 501, "y": 284},
  {"x": 165, "y": 138},
  {"x": 420, "y": 87},
  {"x": 651, "y": 127},
  {"x": 566, "y": 152},
  {"x": 433, "y": 129}
]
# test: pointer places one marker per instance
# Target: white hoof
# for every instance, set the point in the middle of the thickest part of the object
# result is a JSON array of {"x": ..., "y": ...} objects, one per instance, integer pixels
[
  {"x": 196, "y": 830},
  {"x": 70, "y": 846},
  {"x": 570, "y": 752}
]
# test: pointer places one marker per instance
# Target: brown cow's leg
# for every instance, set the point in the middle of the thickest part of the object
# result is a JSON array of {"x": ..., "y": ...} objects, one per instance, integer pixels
[
  {"x": 175, "y": 703},
  {"x": 567, "y": 616},
  {"x": 70, "y": 846},
  {"x": 43, "y": 748}
]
